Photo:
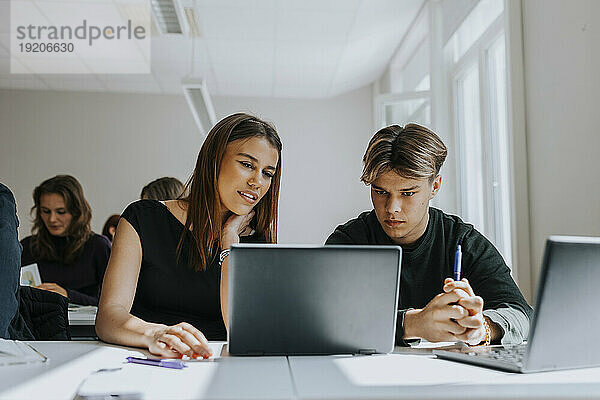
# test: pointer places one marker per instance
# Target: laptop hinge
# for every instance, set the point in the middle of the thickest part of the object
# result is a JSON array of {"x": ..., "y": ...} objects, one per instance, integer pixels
[{"x": 367, "y": 352}]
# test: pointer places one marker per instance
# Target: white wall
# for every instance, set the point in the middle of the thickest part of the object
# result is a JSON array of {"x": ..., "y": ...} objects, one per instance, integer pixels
[
  {"x": 112, "y": 143},
  {"x": 562, "y": 61},
  {"x": 116, "y": 143},
  {"x": 324, "y": 142}
]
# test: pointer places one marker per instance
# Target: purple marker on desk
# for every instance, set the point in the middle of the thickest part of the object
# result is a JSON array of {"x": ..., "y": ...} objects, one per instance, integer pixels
[
  {"x": 457, "y": 263},
  {"x": 176, "y": 364}
]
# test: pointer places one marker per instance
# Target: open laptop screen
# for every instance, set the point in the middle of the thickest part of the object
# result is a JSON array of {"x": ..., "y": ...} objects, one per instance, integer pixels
[{"x": 312, "y": 299}]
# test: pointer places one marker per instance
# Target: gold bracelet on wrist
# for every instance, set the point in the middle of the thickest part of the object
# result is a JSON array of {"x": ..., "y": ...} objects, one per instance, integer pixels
[{"x": 488, "y": 334}]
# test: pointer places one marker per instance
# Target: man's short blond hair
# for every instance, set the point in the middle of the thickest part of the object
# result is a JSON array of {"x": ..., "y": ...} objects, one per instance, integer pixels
[{"x": 412, "y": 151}]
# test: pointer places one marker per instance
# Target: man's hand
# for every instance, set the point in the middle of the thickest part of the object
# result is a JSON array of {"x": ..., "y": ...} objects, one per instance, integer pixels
[
  {"x": 438, "y": 321},
  {"x": 474, "y": 322}
]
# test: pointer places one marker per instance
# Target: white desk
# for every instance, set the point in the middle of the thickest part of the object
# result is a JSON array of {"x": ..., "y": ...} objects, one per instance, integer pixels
[
  {"x": 406, "y": 375},
  {"x": 72, "y": 362},
  {"x": 410, "y": 376}
]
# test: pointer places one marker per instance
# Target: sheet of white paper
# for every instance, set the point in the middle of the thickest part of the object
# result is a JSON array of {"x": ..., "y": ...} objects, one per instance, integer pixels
[
  {"x": 216, "y": 349},
  {"x": 30, "y": 275},
  {"x": 424, "y": 344}
]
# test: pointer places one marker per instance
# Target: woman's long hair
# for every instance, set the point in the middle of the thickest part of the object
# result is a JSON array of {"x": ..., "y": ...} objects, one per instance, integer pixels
[
  {"x": 203, "y": 199},
  {"x": 78, "y": 231}
]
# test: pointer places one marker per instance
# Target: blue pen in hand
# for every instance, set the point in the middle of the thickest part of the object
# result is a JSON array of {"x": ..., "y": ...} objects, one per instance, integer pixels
[
  {"x": 457, "y": 263},
  {"x": 176, "y": 364}
]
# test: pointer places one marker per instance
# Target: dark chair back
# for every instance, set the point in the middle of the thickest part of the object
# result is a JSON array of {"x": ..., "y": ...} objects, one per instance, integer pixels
[{"x": 42, "y": 314}]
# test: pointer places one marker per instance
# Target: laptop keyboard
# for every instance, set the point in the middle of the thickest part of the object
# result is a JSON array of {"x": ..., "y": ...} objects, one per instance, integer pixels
[{"x": 510, "y": 354}]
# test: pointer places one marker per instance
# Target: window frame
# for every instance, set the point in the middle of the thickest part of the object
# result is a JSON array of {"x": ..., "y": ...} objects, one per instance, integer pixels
[
  {"x": 442, "y": 123},
  {"x": 478, "y": 55},
  {"x": 390, "y": 99}
]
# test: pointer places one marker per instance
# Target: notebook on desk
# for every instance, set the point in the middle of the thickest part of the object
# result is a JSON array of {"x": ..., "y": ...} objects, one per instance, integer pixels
[
  {"x": 564, "y": 326},
  {"x": 293, "y": 300}
]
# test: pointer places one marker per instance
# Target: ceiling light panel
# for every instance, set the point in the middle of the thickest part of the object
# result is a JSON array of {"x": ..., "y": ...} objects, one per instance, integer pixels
[{"x": 166, "y": 16}]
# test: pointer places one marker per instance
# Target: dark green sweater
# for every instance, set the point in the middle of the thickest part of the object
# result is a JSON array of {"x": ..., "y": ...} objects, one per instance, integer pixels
[{"x": 431, "y": 259}]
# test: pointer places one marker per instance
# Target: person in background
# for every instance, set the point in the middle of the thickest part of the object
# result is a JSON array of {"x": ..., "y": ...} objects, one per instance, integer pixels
[
  {"x": 10, "y": 257},
  {"x": 166, "y": 284},
  {"x": 110, "y": 226},
  {"x": 161, "y": 189},
  {"x": 71, "y": 258},
  {"x": 402, "y": 166}
]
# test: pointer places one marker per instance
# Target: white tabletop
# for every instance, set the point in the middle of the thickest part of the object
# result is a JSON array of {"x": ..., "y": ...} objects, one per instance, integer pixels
[
  {"x": 424, "y": 376},
  {"x": 61, "y": 354},
  {"x": 408, "y": 374},
  {"x": 72, "y": 363}
]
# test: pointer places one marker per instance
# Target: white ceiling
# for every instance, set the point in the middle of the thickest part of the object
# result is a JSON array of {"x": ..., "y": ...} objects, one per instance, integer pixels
[{"x": 270, "y": 48}]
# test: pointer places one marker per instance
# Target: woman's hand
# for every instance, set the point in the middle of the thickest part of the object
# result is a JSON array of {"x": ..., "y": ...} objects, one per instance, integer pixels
[
  {"x": 234, "y": 227},
  {"x": 177, "y": 340},
  {"x": 53, "y": 287}
]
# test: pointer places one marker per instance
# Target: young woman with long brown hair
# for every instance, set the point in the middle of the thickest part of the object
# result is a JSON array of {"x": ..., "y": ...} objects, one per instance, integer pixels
[
  {"x": 166, "y": 284},
  {"x": 70, "y": 257}
]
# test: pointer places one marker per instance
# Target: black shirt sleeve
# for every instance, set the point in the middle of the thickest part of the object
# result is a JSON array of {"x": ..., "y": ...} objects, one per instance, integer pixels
[
  {"x": 489, "y": 275},
  {"x": 81, "y": 298},
  {"x": 131, "y": 214},
  {"x": 490, "y": 278}
]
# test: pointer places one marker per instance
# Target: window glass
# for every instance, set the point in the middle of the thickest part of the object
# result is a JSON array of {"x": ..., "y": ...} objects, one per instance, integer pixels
[
  {"x": 474, "y": 25},
  {"x": 469, "y": 138},
  {"x": 499, "y": 146},
  {"x": 424, "y": 84},
  {"x": 407, "y": 111}
]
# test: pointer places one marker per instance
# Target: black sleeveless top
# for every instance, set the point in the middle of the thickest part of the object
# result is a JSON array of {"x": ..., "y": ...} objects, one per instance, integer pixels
[{"x": 168, "y": 291}]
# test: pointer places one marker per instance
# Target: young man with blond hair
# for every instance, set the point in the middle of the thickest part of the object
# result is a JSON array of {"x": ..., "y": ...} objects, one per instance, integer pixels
[{"x": 402, "y": 167}]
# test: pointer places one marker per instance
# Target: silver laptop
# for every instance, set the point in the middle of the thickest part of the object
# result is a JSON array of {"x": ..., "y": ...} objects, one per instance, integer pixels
[
  {"x": 565, "y": 322},
  {"x": 293, "y": 300}
]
